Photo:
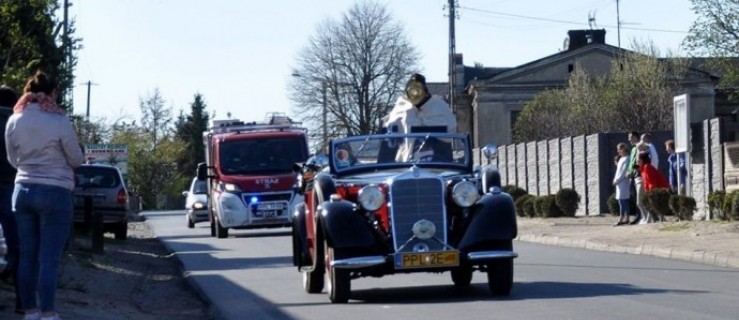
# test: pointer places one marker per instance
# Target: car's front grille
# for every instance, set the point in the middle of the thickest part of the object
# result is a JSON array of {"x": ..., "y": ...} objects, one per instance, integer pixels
[{"x": 415, "y": 199}]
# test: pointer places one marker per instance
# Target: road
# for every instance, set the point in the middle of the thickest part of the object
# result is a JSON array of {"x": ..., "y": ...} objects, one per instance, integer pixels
[{"x": 250, "y": 276}]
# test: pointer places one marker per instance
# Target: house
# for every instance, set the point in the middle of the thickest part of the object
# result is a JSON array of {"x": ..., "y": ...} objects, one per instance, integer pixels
[{"x": 489, "y": 100}]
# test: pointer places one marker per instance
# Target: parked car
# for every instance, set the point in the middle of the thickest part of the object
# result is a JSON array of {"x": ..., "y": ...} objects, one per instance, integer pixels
[
  {"x": 105, "y": 185},
  {"x": 402, "y": 203},
  {"x": 3, "y": 251},
  {"x": 196, "y": 202}
]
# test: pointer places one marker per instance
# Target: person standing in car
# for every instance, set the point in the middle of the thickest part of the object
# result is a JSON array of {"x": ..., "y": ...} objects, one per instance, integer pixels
[
  {"x": 43, "y": 146},
  {"x": 418, "y": 108}
]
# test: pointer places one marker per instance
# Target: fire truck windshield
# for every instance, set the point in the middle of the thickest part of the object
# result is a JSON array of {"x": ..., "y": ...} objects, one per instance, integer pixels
[{"x": 274, "y": 155}]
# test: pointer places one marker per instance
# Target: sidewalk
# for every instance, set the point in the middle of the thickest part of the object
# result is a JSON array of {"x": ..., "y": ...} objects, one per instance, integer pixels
[{"x": 707, "y": 242}]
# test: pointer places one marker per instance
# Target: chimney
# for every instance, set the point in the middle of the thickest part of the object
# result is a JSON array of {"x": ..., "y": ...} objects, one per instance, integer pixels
[{"x": 581, "y": 38}]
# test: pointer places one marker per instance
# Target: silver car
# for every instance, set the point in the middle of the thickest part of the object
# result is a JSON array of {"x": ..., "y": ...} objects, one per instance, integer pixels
[
  {"x": 196, "y": 202},
  {"x": 105, "y": 185}
]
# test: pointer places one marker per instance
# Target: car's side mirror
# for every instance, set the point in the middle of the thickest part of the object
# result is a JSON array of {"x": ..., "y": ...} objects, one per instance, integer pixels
[
  {"x": 202, "y": 172},
  {"x": 184, "y": 193},
  {"x": 490, "y": 151}
]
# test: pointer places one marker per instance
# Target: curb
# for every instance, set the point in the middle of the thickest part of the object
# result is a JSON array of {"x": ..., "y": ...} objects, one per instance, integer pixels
[{"x": 719, "y": 259}]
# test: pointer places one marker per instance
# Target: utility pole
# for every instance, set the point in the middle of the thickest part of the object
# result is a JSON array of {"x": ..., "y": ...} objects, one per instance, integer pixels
[
  {"x": 618, "y": 22},
  {"x": 89, "y": 84},
  {"x": 452, "y": 51},
  {"x": 66, "y": 42},
  {"x": 324, "y": 142}
]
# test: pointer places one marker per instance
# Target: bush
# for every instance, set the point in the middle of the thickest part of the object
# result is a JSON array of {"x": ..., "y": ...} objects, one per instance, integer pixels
[
  {"x": 734, "y": 212},
  {"x": 528, "y": 207},
  {"x": 568, "y": 200},
  {"x": 728, "y": 200},
  {"x": 687, "y": 207},
  {"x": 516, "y": 192},
  {"x": 716, "y": 204},
  {"x": 613, "y": 206},
  {"x": 539, "y": 206},
  {"x": 520, "y": 202},
  {"x": 674, "y": 204},
  {"x": 549, "y": 208},
  {"x": 658, "y": 201}
]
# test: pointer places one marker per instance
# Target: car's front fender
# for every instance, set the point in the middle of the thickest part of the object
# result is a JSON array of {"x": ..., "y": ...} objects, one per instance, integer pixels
[
  {"x": 343, "y": 226},
  {"x": 493, "y": 218}
]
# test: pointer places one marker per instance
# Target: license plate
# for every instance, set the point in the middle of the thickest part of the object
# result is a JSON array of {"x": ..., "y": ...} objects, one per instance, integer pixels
[
  {"x": 427, "y": 259},
  {"x": 269, "y": 206},
  {"x": 268, "y": 213}
]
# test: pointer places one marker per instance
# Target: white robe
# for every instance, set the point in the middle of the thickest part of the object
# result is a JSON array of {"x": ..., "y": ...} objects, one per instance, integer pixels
[{"x": 404, "y": 115}]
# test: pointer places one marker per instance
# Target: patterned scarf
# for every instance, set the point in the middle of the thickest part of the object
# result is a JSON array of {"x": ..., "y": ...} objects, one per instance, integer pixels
[{"x": 47, "y": 104}]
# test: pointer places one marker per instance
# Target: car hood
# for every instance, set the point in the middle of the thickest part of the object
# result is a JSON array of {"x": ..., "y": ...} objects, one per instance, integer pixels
[{"x": 263, "y": 183}]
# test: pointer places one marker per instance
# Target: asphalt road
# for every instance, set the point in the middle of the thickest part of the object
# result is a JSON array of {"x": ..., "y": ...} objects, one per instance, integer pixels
[{"x": 250, "y": 276}]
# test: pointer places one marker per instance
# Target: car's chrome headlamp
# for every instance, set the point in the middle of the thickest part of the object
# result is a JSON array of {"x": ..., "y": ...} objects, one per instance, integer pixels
[
  {"x": 371, "y": 197},
  {"x": 465, "y": 194},
  {"x": 424, "y": 229},
  {"x": 198, "y": 205}
]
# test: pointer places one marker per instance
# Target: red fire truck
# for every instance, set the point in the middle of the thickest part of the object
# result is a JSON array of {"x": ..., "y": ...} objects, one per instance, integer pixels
[{"x": 249, "y": 169}]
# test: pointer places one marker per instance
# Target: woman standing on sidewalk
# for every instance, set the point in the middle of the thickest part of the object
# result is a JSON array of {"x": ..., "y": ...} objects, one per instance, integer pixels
[
  {"x": 43, "y": 146},
  {"x": 622, "y": 184}
]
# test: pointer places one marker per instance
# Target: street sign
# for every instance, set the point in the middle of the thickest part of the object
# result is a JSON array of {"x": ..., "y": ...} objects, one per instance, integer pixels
[
  {"x": 110, "y": 154},
  {"x": 681, "y": 113}
]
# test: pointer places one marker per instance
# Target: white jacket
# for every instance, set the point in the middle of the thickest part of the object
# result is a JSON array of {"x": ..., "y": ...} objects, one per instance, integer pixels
[
  {"x": 435, "y": 112},
  {"x": 620, "y": 181}
]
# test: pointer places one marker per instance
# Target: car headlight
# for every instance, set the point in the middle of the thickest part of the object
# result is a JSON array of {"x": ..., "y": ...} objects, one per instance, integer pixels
[
  {"x": 230, "y": 187},
  {"x": 371, "y": 197},
  {"x": 465, "y": 194},
  {"x": 198, "y": 205}
]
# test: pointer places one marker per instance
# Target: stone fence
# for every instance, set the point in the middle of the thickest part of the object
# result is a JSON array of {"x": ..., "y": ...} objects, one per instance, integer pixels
[{"x": 586, "y": 164}]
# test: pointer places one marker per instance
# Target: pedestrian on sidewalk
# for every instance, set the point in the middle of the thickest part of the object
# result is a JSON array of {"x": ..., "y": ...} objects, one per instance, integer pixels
[
  {"x": 43, "y": 146},
  {"x": 633, "y": 174},
  {"x": 653, "y": 179},
  {"x": 622, "y": 184},
  {"x": 8, "y": 98},
  {"x": 677, "y": 167}
]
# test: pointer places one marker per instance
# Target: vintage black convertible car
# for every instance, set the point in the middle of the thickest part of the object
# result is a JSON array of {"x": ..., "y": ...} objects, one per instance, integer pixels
[{"x": 402, "y": 203}]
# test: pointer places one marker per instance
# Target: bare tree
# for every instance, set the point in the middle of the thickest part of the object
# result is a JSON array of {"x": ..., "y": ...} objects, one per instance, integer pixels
[
  {"x": 155, "y": 116},
  {"x": 354, "y": 67}
]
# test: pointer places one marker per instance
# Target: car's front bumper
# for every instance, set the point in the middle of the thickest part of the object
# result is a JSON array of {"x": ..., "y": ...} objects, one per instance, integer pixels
[
  {"x": 199, "y": 215},
  {"x": 474, "y": 258}
]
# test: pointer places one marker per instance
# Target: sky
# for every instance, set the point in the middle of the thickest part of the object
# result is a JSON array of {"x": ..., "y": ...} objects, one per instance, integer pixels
[{"x": 239, "y": 54}]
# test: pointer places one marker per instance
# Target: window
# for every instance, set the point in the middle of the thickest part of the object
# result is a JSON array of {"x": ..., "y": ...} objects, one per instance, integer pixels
[{"x": 262, "y": 156}]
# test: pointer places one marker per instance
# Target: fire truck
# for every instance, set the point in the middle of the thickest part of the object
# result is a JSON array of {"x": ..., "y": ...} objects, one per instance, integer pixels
[{"x": 249, "y": 169}]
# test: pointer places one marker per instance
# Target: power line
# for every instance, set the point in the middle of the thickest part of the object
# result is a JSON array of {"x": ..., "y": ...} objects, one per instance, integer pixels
[{"x": 562, "y": 21}]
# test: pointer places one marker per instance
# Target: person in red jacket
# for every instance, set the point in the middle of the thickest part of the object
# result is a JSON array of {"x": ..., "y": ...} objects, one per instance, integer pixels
[{"x": 653, "y": 178}]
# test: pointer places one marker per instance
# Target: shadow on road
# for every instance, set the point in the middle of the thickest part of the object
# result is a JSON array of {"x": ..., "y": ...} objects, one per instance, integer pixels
[{"x": 521, "y": 291}]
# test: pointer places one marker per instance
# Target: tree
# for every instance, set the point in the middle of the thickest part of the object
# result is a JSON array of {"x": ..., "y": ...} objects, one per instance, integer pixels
[
  {"x": 153, "y": 151},
  {"x": 715, "y": 34},
  {"x": 30, "y": 39},
  {"x": 190, "y": 128},
  {"x": 360, "y": 62}
]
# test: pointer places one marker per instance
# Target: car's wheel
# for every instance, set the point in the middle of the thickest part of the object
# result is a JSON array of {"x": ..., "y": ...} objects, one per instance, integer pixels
[
  {"x": 462, "y": 276},
  {"x": 190, "y": 223},
  {"x": 500, "y": 277},
  {"x": 120, "y": 230},
  {"x": 339, "y": 282},
  {"x": 221, "y": 232},
  {"x": 313, "y": 280}
]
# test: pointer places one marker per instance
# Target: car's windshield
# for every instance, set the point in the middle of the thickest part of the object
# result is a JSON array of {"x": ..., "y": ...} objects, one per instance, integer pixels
[
  {"x": 199, "y": 187},
  {"x": 437, "y": 149},
  {"x": 262, "y": 156}
]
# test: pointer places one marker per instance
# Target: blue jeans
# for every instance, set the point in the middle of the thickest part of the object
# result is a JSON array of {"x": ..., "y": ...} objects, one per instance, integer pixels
[
  {"x": 44, "y": 217},
  {"x": 623, "y": 205}
]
